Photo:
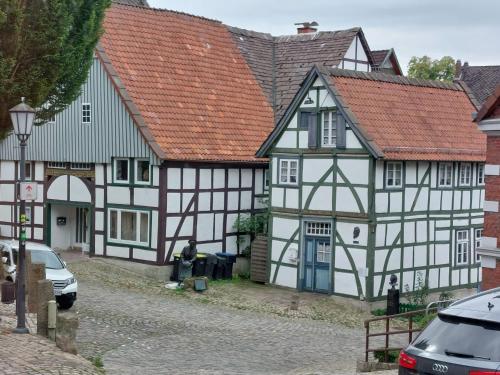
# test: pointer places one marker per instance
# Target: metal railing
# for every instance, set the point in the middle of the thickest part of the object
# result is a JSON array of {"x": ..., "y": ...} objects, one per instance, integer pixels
[{"x": 439, "y": 304}]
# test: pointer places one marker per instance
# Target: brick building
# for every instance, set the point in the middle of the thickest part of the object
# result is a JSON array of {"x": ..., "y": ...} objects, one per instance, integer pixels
[{"x": 488, "y": 119}]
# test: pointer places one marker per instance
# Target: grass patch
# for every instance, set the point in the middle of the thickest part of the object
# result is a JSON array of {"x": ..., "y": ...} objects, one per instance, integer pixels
[{"x": 98, "y": 363}]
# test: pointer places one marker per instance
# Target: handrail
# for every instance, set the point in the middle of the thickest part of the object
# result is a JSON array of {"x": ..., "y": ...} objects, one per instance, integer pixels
[{"x": 438, "y": 303}]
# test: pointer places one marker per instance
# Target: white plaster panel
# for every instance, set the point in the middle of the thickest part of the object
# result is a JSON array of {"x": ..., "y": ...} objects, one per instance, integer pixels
[
  {"x": 7, "y": 170},
  {"x": 277, "y": 197},
  {"x": 314, "y": 169},
  {"x": 211, "y": 248},
  {"x": 205, "y": 227},
  {"x": 477, "y": 220},
  {"x": 40, "y": 195},
  {"x": 443, "y": 223},
  {"x": 325, "y": 99},
  {"x": 218, "y": 201},
  {"x": 408, "y": 257},
  {"x": 446, "y": 200},
  {"x": 345, "y": 283},
  {"x": 205, "y": 178},
  {"x": 6, "y": 213},
  {"x": 39, "y": 218},
  {"x": 288, "y": 139},
  {"x": 312, "y": 94},
  {"x": 303, "y": 139},
  {"x": 292, "y": 198},
  {"x": 99, "y": 244},
  {"x": 466, "y": 197},
  {"x": 455, "y": 277},
  {"x": 474, "y": 275},
  {"x": 218, "y": 226},
  {"x": 434, "y": 278},
  {"x": 276, "y": 249},
  {"x": 292, "y": 124},
  {"x": 232, "y": 200},
  {"x": 172, "y": 223},
  {"x": 188, "y": 178},
  {"x": 381, "y": 202},
  {"x": 396, "y": 201},
  {"x": 57, "y": 190},
  {"x": 259, "y": 181},
  {"x": 358, "y": 257},
  {"x": 409, "y": 236},
  {"x": 420, "y": 256},
  {"x": 380, "y": 235},
  {"x": 345, "y": 200},
  {"x": 154, "y": 229},
  {"x": 435, "y": 202},
  {"x": 116, "y": 251},
  {"x": 287, "y": 276},
  {"x": 442, "y": 254},
  {"x": 489, "y": 242},
  {"x": 376, "y": 283},
  {"x": 409, "y": 198},
  {"x": 444, "y": 274},
  {"x": 246, "y": 200},
  {"x": 460, "y": 223},
  {"x": 380, "y": 256},
  {"x": 363, "y": 196},
  {"x": 492, "y": 170},
  {"x": 156, "y": 175},
  {"x": 284, "y": 228},
  {"x": 488, "y": 262},
  {"x": 99, "y": 197},
  {"x": 421, "y": 234},
  {"x": 481, "y": 200},
  {"x": 186, "y": 199},
  {"x": 422, "y": 199},
  {"x": 246, "y": 178},
  {"x": 38, "y": 233},
  {"x": 146, "y": 197},
  {"x": 6, "y": 231},
  {"x": 234, "y": 178},
  {"x": 408, "y": 280},
  {"x": 173, "y": 202},
  {"x": 346, "y": 231},
  {"x": 109, "y": 174},
  {"x": 118, "y": 195},
  {"x": 219, "y": 178},
  {"x": 274, "y": 171},
  {"x": 144, "y": 255},
  {"x": 352, "y": 140},
  {"x": 341, "y": 259},
  {"x": 394, "y": 260},
  {"x": 392, "y": 232},
  {"x": 456, "y": 200},
  {"x": 39, "y": 171},
  {"x": 411, "y": 172},
  {"x": 355, "y": 170},
  {"x": 322, "y": 199},
  {"x": 351, "y": 52},
  {"x": 476, "y": 198},
  {"x": 464, "y": 276},
  {"x": 431, "y": 230},
  {"x": 230, "y": 220},
  {"x": 174, "y": 178},
  {"x": 490, "y": 206},
  {"x": 99, "y": 220},
  {"x": 204, "y": 201},
  {"x": 187, "y": 227},
  {"x": 442, "y": 235},
  {"x": 232, "y": 244}
]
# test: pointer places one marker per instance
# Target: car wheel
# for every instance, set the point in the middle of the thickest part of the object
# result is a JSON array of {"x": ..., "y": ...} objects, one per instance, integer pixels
[{"x": 65, "y": 303}]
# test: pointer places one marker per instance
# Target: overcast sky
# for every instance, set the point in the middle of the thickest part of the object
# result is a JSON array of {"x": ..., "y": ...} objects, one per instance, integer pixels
[{"x": 464, "y": 29}]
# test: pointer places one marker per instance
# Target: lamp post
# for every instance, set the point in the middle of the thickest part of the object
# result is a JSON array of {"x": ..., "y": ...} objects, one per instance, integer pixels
[{"x": 22, "y": 116}]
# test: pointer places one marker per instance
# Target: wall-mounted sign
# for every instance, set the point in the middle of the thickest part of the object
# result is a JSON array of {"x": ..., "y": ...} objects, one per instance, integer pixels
[{"x": 28, "y": 191}]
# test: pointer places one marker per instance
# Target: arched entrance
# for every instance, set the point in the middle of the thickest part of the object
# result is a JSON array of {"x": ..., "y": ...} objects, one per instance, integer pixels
[{"x": 69, "y": 213}]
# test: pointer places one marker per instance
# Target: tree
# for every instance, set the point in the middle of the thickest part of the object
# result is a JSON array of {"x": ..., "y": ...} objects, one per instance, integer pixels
[
  {"x": 426, "y": 68},
  {"x": 46, "y": 51}
]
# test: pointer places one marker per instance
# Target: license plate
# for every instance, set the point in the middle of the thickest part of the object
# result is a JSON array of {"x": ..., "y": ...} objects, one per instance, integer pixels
[{"x": 57, "y": 292}]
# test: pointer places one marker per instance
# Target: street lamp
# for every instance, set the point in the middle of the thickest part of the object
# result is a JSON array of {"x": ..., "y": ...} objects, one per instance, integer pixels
[{"x": 22, "y": 116}]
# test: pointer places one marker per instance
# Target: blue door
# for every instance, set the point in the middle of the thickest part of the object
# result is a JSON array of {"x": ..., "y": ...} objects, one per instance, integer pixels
[{"x": 318, "y": 256}]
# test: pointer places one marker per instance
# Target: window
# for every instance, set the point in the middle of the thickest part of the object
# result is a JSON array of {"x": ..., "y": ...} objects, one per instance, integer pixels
[
  {"x": 323, "y": 252},
  {"x": 266, "y": 180},
  {"x": 465, "y": 173},
  {"x": 445, "y": 178},
  {"x": 142, "y": 171},
  {"x": 318, "y": 229},
  {"x": 288, "y": 172},
  {"x": 478, "y": 233},
  {"x": 27, "y": 170},
  {"x": 56, "y": 165},
  {"x": 121, "y": 170},
  {"x": 480, "y": 174},
  {"x": 329, "y": 128},
  {"x": 86, "y": 113},
  {"x": 129, "y": 226},
  {"x": 52, "y": 119},
  {"x": 81, "y": 166},
  {"x": 462, "y": 247},
  {"x": 394, "y": 175}
]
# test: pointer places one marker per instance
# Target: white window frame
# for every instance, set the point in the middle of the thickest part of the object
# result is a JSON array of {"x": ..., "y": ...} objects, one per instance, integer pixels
[
  {"x": 56, "y": 165},
  {"x": 480, "y": 176},
  {"x": 324, "y": 253},
  {"x": 462, "y": 247},
  {"x": 136, "y": 174},
  {"x": 84, "y": 115},
  {"x": 387, "y": 171},
  {"x": 115, "y": 170},
  {"x": 52, "y": 120},
  {"x": 466, "y": 180},
  {"x": 445, "y": 168},
  {"x": 478, "y": 234},
  {"x": 329, "y": 132},
  {"x": 118, "y": 239},
  {"x": 318, "y": 228},
  {"x": 80, "y": 166},
  {"x": 288, "y": 168}
]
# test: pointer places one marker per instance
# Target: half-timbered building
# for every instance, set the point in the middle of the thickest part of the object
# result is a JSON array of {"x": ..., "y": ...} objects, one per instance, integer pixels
[{"x": 373, "y": 174}]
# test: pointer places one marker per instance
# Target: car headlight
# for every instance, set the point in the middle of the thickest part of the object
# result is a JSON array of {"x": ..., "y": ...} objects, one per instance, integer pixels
[{"x": 70, "y": 281}]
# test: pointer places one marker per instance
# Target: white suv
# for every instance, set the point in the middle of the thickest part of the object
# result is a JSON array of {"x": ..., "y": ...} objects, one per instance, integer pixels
[{"x": 65, "y": 285}]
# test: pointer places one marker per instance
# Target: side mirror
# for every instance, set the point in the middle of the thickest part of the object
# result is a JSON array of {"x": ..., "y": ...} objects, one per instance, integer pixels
[{"x": 5, "y": 260}]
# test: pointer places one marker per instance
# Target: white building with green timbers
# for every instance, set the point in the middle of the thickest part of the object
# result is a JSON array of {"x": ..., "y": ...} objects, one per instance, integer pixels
[{"x": 373, "y": 175}]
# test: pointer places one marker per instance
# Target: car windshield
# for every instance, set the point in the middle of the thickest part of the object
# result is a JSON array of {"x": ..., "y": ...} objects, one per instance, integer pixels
[
  {"x": 459, "y": 337},
  {"x": 50, "y": 259}
]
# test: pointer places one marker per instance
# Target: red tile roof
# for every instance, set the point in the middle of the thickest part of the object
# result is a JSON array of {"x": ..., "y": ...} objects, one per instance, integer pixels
[
  {"x": 412, "y": 119},
  {"x": 196, "y": 96}
]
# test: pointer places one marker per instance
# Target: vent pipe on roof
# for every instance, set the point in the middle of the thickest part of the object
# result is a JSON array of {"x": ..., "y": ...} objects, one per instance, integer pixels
[{"x": 307, "y": 27}]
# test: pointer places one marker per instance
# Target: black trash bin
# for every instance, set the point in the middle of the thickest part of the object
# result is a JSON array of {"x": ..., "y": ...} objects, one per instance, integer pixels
[
  {"x": 219, "y": 268},
  {"x": 8, "y": 291},
  {"x": 228, "y": 267},
  {"x": 175, "y": 272},
  {"x": 210, "y": 265},
  {"x": 200, "y": 264}
]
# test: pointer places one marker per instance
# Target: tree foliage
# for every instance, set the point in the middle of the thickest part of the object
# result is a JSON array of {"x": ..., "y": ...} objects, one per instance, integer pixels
[
  {"x": 46, "y": 51},
  {"x": 427, "y": 68}
]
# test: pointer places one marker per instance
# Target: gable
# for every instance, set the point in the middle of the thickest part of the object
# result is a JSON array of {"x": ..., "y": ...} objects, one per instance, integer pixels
[{"x": 111, "y": 133}]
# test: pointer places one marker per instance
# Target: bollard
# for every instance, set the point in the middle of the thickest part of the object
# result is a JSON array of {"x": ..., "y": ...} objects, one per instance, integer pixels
[
  {"x": 294, "y": 303},
  {"x": 45, "y": 294},
  {"x": 52, "y": 320},
  {"x": 36, "y": 272}
]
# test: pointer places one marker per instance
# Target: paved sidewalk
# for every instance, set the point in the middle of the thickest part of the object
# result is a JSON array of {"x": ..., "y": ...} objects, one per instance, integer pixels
[{"x": 31, "y": 354}]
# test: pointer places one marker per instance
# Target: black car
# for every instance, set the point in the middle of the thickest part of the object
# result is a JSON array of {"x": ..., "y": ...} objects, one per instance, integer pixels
[{"x": 464, "y": 339}]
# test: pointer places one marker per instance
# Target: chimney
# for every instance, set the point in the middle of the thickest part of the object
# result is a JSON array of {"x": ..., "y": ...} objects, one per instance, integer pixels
[
  {"x": 458, "y": 69},
  {"x": 307, "y": 27}
]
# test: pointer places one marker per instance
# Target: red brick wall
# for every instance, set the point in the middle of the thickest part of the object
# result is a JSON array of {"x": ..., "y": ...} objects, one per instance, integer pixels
[
  {"x": 491, "y": 277},
  {"x": 493, "y": 149}
]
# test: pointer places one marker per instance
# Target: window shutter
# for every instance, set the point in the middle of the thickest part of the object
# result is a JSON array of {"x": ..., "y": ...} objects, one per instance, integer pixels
[
  {"x": 313, "y": 130},
  {"x": 341, "y": 131},
  {"x": 304, "y": 120}
]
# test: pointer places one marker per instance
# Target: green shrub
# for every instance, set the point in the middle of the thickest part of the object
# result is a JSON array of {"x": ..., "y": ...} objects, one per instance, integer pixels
[
  {"x": 392, "y": 356},
  {"x": 420, "y": 294},
  {"x": 379, "y": 312}
]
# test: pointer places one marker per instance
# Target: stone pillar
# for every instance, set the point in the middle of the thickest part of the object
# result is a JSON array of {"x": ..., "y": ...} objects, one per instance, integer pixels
[
  {"x": 45, "y": 293},
  {"x": 36, "y": 272},
  {"x": 67, "y": 324}
]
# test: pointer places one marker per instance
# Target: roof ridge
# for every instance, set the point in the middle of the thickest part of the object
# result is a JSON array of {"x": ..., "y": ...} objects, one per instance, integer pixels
[
  {"x": 287, "y": 37},
  {"x": 390, "y": 78},
  {"x": 251, "y": 33},
  {"x": 160, "y": 10}
]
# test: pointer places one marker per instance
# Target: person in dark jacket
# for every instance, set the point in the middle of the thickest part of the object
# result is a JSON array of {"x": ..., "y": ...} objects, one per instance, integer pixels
[{"x": 188, "y": 256}]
